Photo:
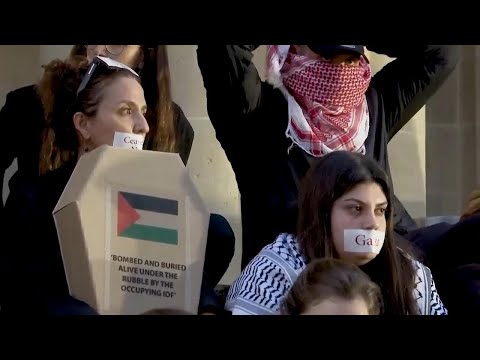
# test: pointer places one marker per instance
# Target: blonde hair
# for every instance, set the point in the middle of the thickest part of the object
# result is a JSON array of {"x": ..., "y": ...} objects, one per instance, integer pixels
[{"x": 473, "y": 206}]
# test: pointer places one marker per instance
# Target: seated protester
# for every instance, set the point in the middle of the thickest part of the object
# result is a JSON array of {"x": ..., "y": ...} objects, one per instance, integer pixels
[
  {"x": 84, "y": 113},
  {"x": 170, "y": 131},
  {"x": 454, "y": 259},
  {"x": 332, "y": 287},
  {"x": 317, "y": 99},
  {"x": 345, "y": 212}
]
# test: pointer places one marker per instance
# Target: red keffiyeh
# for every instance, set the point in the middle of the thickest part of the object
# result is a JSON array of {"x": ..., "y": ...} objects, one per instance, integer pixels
[{"x": 326, "y": 102}]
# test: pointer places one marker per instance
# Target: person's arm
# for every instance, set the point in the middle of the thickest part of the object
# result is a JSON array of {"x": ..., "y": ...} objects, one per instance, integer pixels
[
  {"x": 259, "y": 289},
  {"x": 406, "y": 84},
  {"x": 8, "y": 147},
  {"x": 233, "y": 88},
  {"x": 29, "y": 250}
]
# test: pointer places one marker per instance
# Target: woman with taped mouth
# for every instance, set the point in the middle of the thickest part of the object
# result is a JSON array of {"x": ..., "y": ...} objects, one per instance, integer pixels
[
  {"x": 170, "y": 131},
  {"x": 345, "y": 212},
  {"x": 85, "y": 105}
]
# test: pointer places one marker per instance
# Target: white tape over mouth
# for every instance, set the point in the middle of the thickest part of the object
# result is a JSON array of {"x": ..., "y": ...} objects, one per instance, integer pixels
[
  {"x": 363, "y": 241},
  {"x": 128, "y": 141}
]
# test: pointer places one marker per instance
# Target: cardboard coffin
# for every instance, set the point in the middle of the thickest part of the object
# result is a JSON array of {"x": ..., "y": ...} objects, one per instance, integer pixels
[{"x": 132, "y": 230}]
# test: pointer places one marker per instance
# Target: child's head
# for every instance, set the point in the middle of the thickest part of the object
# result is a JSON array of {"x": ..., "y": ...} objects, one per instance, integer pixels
[
  {"x": 333, "y": 287},
  {"x": 166, "y": 312}
]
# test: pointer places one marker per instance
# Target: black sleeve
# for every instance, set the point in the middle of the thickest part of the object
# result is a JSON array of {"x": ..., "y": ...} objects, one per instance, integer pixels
[
  {"x": 406, "y": 84},
  {"x": 26, "y": 255},
  {"x": 233, "y": 88},
  {"x": 458, "y": 246},
  {"x": 8, "y": 149},
  {"x": 185, "y": 134}
]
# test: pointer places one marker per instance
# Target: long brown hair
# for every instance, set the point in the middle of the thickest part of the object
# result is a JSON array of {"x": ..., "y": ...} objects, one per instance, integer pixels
[
  {"x": 161, "y": 115},
  {"x": 327, "y": 180},
  {"x": 331, "y": 278}
]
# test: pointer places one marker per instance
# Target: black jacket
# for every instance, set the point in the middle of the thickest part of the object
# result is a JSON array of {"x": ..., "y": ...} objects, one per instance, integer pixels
[
  {"x": 454, "y": 259},
  {"x": 250, "y": 120},
  {"x": 22, "y": 114},
  {"x": 31, "y": 249}
]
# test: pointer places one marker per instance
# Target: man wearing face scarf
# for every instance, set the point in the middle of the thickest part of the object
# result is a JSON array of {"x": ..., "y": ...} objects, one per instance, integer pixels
[{"x": 317, "y": 99}]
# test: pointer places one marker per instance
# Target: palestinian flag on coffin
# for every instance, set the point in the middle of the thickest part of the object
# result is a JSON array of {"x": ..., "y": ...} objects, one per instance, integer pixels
[{"x": 148, "y": 218}]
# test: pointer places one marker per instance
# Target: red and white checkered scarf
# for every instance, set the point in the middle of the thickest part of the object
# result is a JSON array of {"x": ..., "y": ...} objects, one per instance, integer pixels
[{"x": 326, "y": 102}]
